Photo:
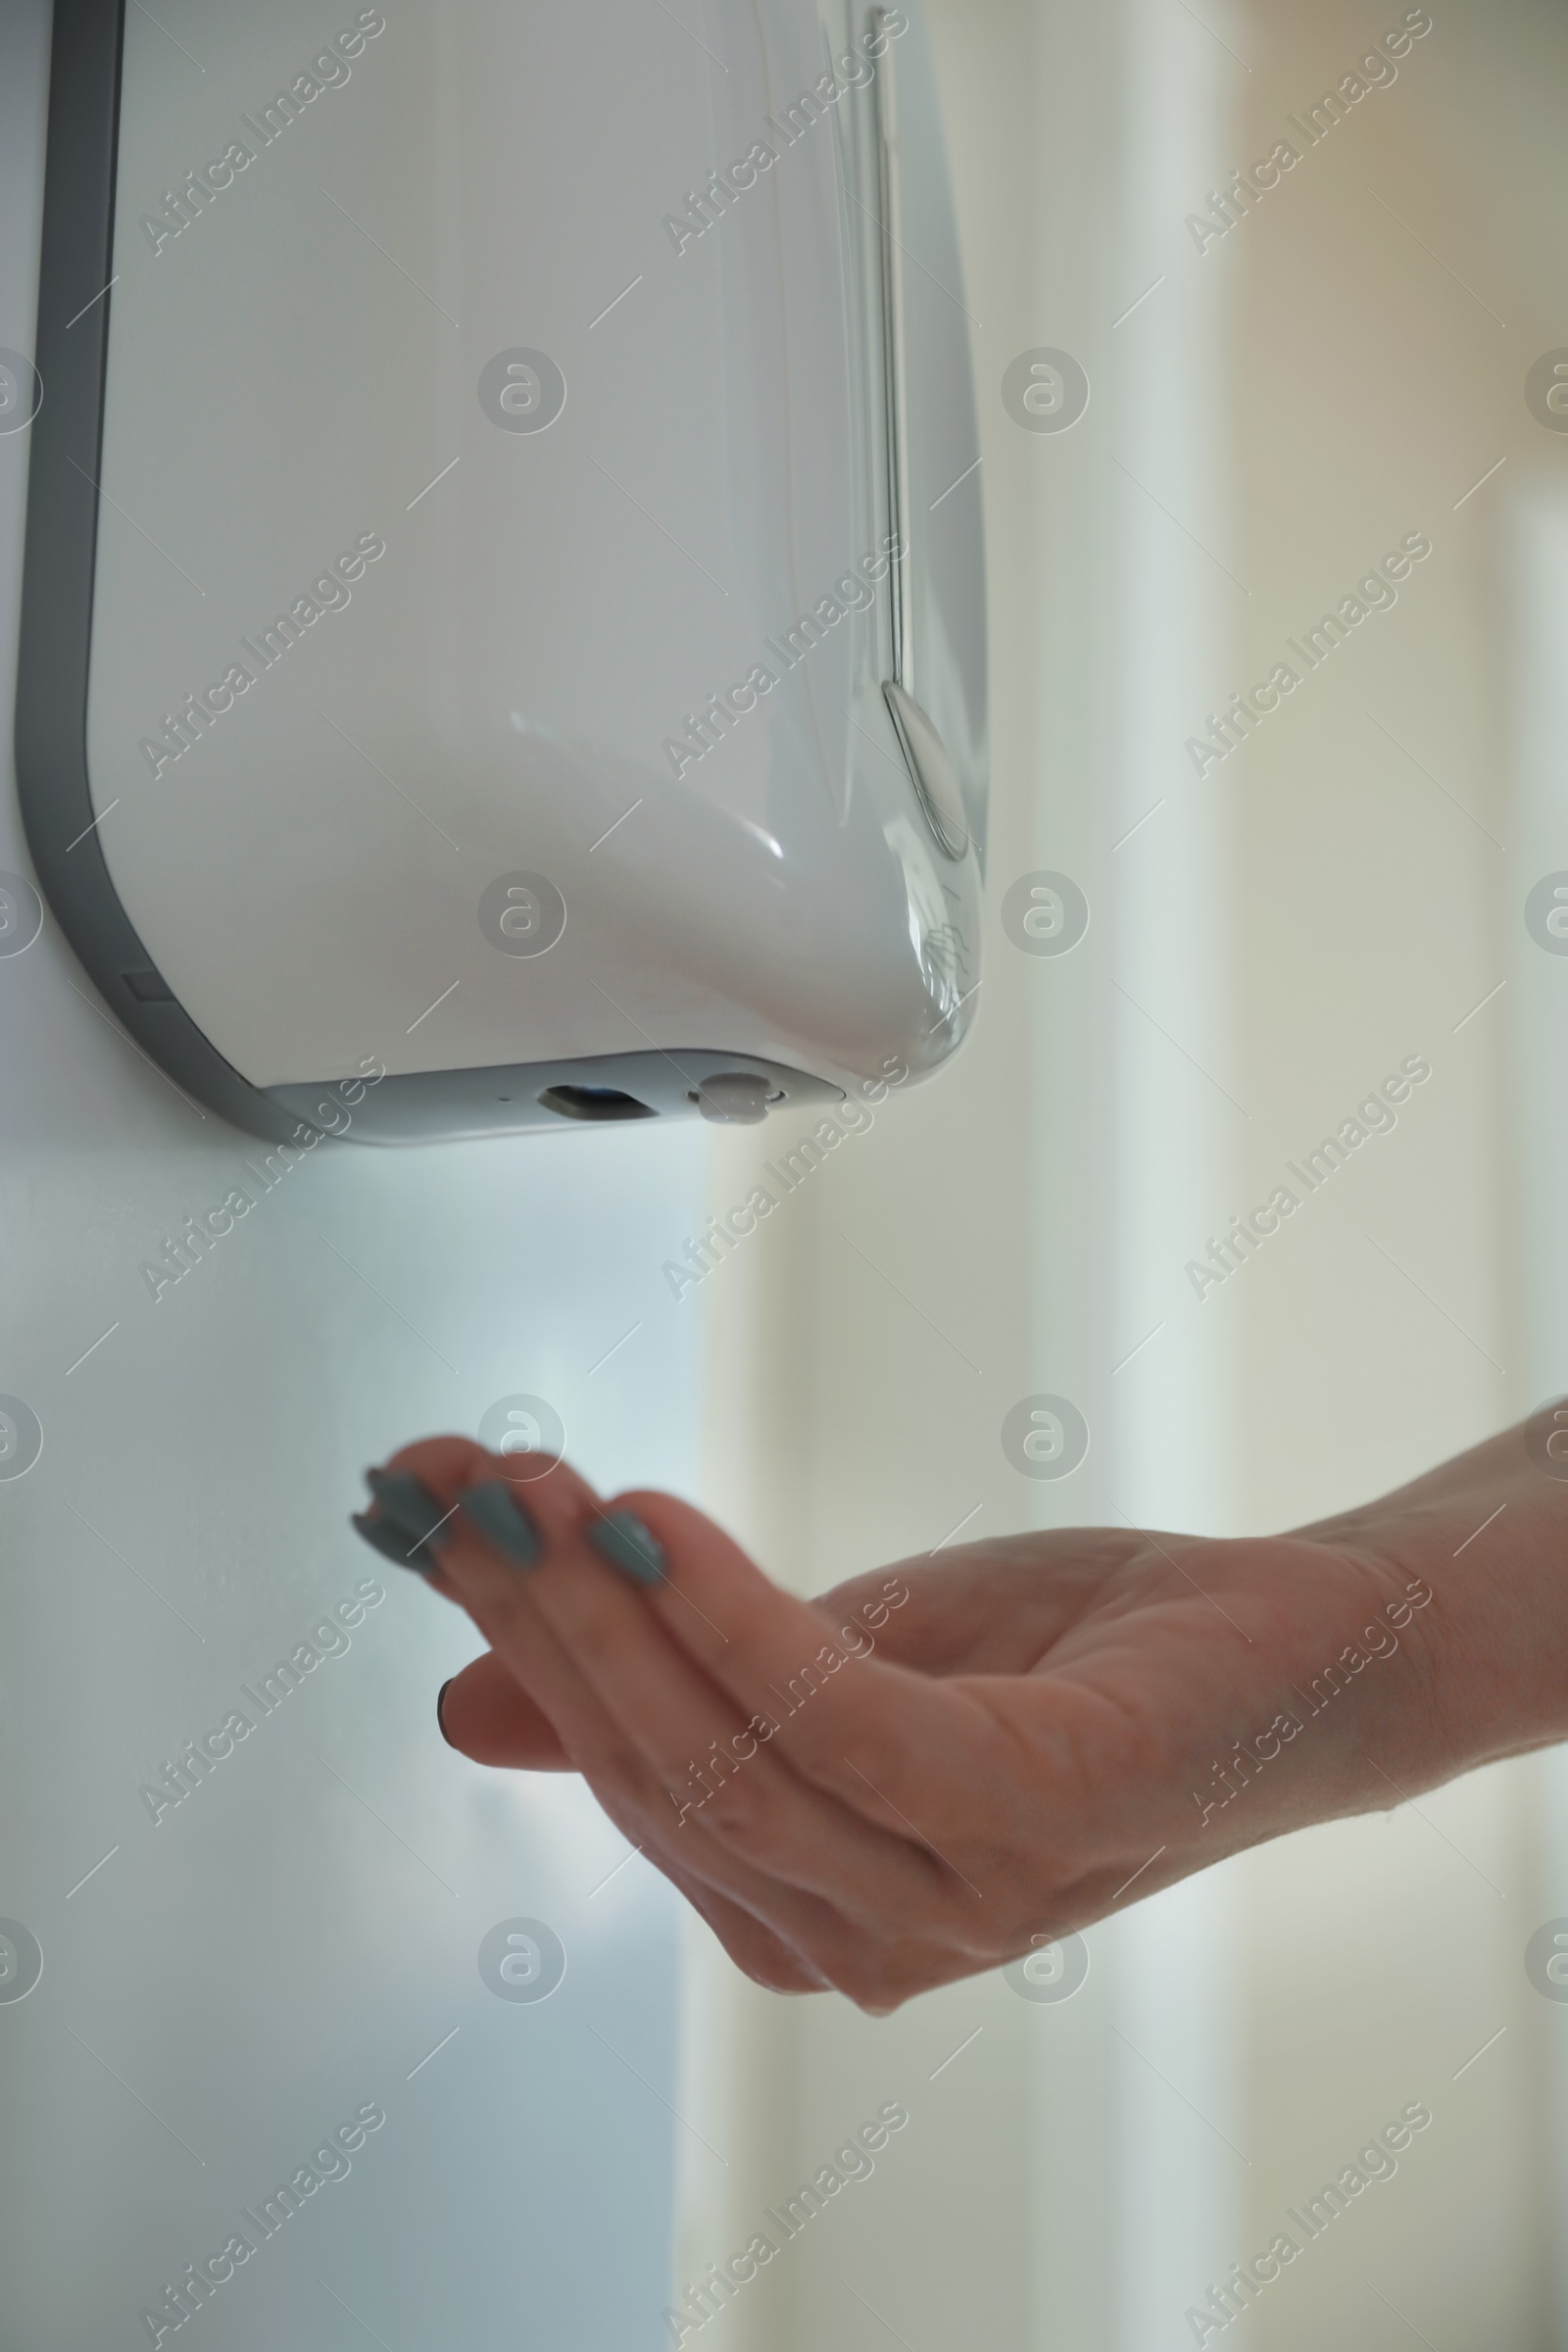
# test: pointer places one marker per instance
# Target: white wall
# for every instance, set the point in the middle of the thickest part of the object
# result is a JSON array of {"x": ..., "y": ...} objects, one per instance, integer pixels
[{"x": 234, "y": 1978}]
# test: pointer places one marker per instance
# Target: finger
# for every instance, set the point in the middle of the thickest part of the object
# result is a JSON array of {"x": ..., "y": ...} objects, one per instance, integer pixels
[
  {"x": 446, "y": 1465},
  {"x": 720, "y": 1771},
  {"x": 497, "y": 1594},
  {"x": 880, "y": 1738},
  {"x": 793, "y": 1941},
  {"x": 875, "y": 1971},
  {"x": 442, "y": 1467},
  {"x": 754, "y": 1947},
  {"x": 878, "y": 1974},
  {"x": 485, "y": 1715}
]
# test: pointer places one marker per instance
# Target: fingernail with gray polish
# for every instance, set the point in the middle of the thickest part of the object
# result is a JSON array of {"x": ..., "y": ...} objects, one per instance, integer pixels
[
  {"x": 393, "y": 1544},
  {"x": 440, "y": 1702},
  {"x": 621, "y": 1538},
  {"x": 497, "y": 1513},
  {"x": 408, "y": 1502}
]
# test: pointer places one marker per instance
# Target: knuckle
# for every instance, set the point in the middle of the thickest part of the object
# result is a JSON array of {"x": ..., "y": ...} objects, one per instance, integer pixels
[{"x": 732, "y": 1811}]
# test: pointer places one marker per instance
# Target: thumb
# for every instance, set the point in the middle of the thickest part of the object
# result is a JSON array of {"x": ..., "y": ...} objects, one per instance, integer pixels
[{"x": 483, "y": 1714}]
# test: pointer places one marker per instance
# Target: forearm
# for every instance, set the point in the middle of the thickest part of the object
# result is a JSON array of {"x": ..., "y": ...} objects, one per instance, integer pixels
[{"x": 1488, "y": 1533}]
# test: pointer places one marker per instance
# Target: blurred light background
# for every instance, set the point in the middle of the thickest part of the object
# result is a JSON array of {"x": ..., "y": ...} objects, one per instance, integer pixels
[{"x": 1267, "y": 415}]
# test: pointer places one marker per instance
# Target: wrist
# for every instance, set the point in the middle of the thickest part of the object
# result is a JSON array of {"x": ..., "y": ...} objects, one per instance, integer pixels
[{"x": 1487, "y": 1534}]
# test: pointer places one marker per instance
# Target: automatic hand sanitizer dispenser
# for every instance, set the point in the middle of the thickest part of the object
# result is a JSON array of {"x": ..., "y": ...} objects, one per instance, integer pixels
[{"x": 504, "y": 605}]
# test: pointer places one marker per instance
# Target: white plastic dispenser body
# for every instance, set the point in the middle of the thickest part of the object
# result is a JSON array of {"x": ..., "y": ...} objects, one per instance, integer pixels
[{"x": 504, "y": 609}]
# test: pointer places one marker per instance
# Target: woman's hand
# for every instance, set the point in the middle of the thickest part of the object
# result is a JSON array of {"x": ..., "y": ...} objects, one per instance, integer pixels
[{"x": 920, "y": 1775}]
